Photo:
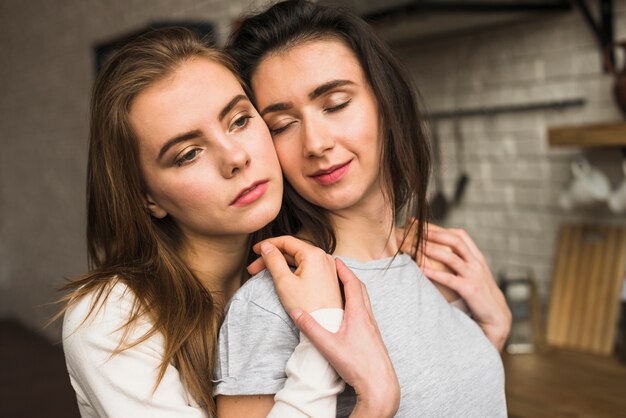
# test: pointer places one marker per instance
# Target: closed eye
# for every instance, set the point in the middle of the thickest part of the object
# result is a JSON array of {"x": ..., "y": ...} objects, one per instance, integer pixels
[
  {"x": 338, "y": 107},
  {"x": 281, "y": 129}
]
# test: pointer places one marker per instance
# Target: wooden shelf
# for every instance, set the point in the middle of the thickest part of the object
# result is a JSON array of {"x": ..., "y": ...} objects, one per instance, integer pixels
[{"x": 596, "y": 135}]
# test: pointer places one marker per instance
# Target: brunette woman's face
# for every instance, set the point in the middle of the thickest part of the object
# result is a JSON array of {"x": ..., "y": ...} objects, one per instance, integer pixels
[
  {"x": 206, "y": 156},
  {"x": 324, "y": 119}
]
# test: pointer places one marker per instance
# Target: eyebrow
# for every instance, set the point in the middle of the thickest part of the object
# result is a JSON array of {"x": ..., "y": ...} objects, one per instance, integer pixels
[
  {"x": 328, "y": 86},
  {"x": 196, "y": 133},
  {"x": 317, "y": 92},
  {"x": 276, "y": 107},
  {"x": 230, "y": 105}
]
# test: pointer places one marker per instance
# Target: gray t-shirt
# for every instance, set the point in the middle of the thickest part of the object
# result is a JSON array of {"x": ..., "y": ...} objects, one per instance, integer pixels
[{"x": 445, "y": 365}]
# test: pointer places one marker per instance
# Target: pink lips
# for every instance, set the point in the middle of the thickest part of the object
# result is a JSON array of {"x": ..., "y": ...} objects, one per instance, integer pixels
[
  {"x": 331, "y": 175},
  {"x": 251, "y": 193}
]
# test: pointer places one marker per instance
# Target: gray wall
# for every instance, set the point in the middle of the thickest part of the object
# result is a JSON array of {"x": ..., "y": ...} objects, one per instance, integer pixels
[
  {"x": 45, "y": 79},
  {"x": 511, "y": 210}
]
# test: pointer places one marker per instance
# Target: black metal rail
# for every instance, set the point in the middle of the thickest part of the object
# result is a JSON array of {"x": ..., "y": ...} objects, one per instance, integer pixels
[
  {"x": 495, "y": 110},
  {"x": 470, "y": 7}
]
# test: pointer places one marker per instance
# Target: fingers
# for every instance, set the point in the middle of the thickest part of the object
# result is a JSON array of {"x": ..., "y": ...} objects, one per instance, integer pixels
[
  {"x": 319, "y": 336},
  {"x": 366, "y": 300},
  {"x": 292, "y": 247},
  {"x": 429, "y": 263},
  {"x": 447, "y": 279},
  {"x": 256, "y": 266},
  {"x": 470, "y": 244},
  {"x": 449, "y": 258},
  {"x": 452, "y": 240},
  {"x": 274, "y": 261},
  {"x": 351, "y": 283},
  {"x": 355, "y": 291},
  {"x": 465, "y": 237}
]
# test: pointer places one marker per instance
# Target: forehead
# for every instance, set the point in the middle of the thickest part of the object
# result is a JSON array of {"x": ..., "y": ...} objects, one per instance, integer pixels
[
  {"x": 195, "y": 80},
  {"x": 197, "y": 90},
  {"x": 299, "y": 69}
]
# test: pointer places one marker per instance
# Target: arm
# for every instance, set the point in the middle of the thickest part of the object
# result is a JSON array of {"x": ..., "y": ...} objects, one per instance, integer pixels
[
  {"x": 119, "y": 385},
  {"x": 356, "y": 350},
  {"x": 312, "y": 384},
  {"x": 309, "y": 391}
]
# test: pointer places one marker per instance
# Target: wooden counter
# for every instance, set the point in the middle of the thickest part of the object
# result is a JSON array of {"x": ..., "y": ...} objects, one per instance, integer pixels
[{"x": 562, "y": 383}]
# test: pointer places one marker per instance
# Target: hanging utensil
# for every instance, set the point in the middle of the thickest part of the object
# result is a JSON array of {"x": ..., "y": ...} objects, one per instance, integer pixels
[
  {"x": 463, "y": 177},
  {"x": 438, "y": 203}
]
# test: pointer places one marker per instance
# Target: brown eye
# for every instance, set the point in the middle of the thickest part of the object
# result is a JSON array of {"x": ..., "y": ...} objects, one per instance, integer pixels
[
  {"x": 187, "y": 157},
  {"x": 241, "y": 122}
]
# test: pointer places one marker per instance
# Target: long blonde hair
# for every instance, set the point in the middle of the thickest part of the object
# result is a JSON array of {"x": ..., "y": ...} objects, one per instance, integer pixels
[{"x": 125, "y": 244}]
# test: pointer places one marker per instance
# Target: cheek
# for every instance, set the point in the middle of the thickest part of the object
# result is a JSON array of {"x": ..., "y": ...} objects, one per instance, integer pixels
[
  {"x": 187, "y": 190},
  {"x": 363, "y": 134},
  {"x": 289, "y": 161},
  {"x": 265, "y": 154},
  {"x": 260, "y": 147}
]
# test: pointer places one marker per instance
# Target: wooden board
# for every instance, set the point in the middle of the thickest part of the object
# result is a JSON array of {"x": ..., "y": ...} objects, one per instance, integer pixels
[
  {"x": 586, "y": 286},
  {"x": 595, "y": 135}
]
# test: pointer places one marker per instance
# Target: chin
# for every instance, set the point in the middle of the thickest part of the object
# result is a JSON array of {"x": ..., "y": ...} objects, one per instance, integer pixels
[
  {"x": 335, "y": 201},
  {"x": 261, "y": 218}
]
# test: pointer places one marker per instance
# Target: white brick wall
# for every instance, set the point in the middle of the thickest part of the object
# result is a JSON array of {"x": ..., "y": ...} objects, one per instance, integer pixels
[{"x": 511, "y": 205}]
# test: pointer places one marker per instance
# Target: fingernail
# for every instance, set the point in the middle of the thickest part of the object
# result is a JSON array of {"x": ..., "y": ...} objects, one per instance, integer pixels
[
  {"x": 266, "y": 248},
  {"x": 296, "y": 313}
]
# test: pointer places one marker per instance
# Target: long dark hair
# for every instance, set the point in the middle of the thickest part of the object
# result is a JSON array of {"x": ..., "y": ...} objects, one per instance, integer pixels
[
  {"x": 405, "y": 159},
  {"x": 125, "y": 243}
]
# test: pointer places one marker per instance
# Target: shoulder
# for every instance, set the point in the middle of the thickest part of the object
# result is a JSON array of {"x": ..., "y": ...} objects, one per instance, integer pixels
[
  {"x": 99, "y": 319},
  {"x": 255, "y": 341},
  {"x": 113, "y": 303},
  {"x": 258, "y": 294},
  {"x": 112, "y": 367}
]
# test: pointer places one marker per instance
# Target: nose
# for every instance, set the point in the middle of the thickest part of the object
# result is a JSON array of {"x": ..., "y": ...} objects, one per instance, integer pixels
[
  {"x": 317, "y": 140},
  {"x": 233, "y": 158}
]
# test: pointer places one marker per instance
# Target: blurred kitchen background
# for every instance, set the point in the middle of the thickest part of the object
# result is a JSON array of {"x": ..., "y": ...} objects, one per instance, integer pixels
[{"x": 529, "y": 144}]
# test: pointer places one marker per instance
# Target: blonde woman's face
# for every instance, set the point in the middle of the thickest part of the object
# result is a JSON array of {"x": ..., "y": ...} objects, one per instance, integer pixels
[
  {"x": 206, "y": 155},
  {"x": 324, "y": 119}
]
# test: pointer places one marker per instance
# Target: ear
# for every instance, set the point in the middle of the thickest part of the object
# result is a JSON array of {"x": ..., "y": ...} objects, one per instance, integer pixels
[{"x": 153, "y": 208}]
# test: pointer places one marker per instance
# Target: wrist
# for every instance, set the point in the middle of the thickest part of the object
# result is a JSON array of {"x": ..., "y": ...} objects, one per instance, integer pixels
[
  {"x": 368, "y": 410},
  {"x": 381, "y": 402},
  {"x": 498, "y": 334}
]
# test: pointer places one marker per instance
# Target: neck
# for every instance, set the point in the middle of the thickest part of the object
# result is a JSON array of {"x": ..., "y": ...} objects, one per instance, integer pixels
[
  {"x": 218, "y": 262},
  {"x": 365, "y": 233}
]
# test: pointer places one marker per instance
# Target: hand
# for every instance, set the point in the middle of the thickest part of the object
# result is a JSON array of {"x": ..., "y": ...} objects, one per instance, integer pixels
[
  {"x": 469, "y": 275},
  {"x": 356, "y": 350},
  {"x": 314, "y": 284}
]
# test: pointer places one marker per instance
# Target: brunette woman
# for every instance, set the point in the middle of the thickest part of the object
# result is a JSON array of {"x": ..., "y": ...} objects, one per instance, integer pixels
[{"x": 354, "y": 155}]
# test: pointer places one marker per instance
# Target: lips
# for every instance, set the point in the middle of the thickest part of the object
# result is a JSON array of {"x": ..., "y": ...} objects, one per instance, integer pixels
[
  {"x": 331, "y": 175},
  {"x": 250, "y": 193}
]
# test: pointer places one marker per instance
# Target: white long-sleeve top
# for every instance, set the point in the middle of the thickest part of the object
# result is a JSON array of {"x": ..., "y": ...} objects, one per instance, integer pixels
[{"x": 123, "y": 384}]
